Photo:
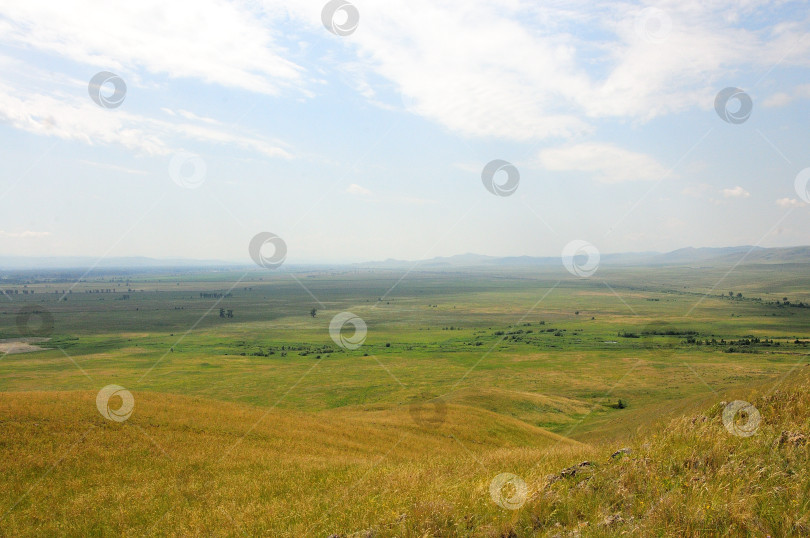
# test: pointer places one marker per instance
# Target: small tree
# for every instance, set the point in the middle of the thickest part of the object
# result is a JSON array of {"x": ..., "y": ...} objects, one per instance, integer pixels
[{"x": 313, "y": 312}]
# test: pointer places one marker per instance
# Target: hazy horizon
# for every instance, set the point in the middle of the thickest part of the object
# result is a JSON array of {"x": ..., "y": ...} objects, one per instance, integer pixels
[{"x": 64, "y": 262}]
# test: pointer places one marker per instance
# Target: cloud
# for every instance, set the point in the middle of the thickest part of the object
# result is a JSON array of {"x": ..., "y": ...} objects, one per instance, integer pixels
[
  {"x": 521, "y": 71},
  {"x": 24, "y": 235},
  {"x": 790, "y": 202},
  {"x": 495, "y": 77},
  {"x": 606, "y": 162},
  {"x": 70, "y": 118},
  {"x": 510, "y": 70},
  {"x": 194, "y": 117},
  {"x": 354, "y": 188},
  {"x": 780, "y": 99},
  {"x": 735, "y": 192},
  {"x": 224, "y": 43}
]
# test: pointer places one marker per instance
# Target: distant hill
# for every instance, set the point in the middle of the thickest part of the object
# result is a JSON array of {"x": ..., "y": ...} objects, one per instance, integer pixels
[
  {"x": 732, "y": 255},
  {"x": 683, "y": 256},
  {"x": 773, "y": 255},
  {"x": 692, "y": 255}
]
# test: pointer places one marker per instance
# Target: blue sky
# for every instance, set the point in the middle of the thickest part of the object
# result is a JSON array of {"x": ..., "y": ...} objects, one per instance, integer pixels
[{"x": 371, "y": 145}]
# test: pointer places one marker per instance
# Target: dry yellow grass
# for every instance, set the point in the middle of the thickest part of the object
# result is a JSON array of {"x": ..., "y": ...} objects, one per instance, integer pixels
[
  {"x": 188, "y": 466},
  {"x": 183, "y": 466}
]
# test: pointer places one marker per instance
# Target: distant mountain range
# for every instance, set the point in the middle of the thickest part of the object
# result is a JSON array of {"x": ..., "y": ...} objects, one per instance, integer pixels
[{"x": 683, "y": 256}]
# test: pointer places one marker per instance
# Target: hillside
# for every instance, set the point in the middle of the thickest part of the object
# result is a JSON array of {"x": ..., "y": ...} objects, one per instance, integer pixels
[
  {"x": 183, "y": 466},
  {"x": 692, "y": 477},
  {"x": 191, "y": 466}
]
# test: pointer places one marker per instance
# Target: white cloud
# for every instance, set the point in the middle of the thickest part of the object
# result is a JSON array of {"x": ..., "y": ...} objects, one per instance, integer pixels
[
  {"x": 49, "y": 103},
  {"x": 225, "y": 43},
  {"x": 607, "y": 163},
  {"x": 780, "y": 99},
  {"x": 790, "y": 202},
  {"x": 354, "y": 188},
  {"x": 735, "y": 192},
  {"x": 519, "y": 71},
  {"x": 194, "y": 117},
  {"x": 493, "y": 77},
  {"x": 81, "y": 120},
  {"x": 512, "y": 70}
]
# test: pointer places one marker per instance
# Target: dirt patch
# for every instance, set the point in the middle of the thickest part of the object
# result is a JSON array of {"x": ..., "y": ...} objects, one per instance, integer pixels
[{"x": 11, "y": 346}]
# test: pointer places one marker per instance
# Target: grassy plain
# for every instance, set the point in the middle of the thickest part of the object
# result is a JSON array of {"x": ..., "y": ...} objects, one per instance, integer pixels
[{"x": 260, "y": 424}]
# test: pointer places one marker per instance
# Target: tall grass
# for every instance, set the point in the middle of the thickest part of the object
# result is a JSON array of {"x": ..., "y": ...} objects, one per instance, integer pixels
[{"x": 190, "y": 466}]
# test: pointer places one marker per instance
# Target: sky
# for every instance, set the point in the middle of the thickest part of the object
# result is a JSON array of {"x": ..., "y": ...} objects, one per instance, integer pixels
[{"x": 360, "y": 130}]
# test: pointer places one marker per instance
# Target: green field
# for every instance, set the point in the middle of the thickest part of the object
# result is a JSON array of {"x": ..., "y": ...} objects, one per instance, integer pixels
[{"x": 260, "y": 424}]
